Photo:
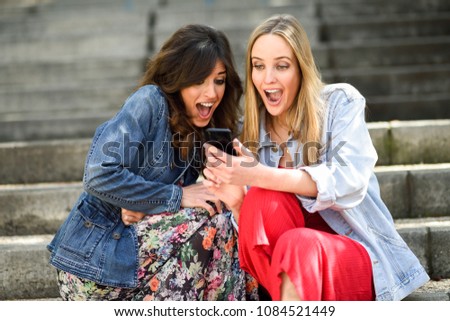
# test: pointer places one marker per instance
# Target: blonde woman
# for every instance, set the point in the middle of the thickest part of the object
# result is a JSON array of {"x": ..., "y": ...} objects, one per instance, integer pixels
[{"x": 312, "y": 225}]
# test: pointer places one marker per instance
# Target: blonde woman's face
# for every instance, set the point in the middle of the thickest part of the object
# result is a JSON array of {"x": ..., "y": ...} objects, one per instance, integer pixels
[
  {"x": 202, "y": 99},
  {"x": 275, "y": 73}
]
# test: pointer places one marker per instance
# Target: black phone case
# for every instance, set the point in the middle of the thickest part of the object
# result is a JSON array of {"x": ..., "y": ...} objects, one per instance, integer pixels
[{"x": 221, "y": 138}]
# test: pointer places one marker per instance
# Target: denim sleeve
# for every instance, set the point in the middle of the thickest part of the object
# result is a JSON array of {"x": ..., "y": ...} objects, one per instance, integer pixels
[
  {"x": 109, "y": 174},
  {"x": 343, "y": 175}
]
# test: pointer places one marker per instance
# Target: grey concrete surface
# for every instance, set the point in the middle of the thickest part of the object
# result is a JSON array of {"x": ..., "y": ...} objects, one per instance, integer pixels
[
  {"x": 413, "y": 191},
  {"x": 24, "y": 269},
  {"x": 420, "y": 142},
  {"x": 30, "y": 74},
  {"x": 47, "y": 126},
  {"x": 429, "y": 239},
  {"x": 36, "y": 209},
  {"x": 52, "y": 161}
]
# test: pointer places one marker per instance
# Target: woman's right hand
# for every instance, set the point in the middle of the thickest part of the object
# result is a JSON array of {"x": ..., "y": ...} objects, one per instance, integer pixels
[
  {"x": 129, "y": 217},
  {"x": 198, "y": 195}
]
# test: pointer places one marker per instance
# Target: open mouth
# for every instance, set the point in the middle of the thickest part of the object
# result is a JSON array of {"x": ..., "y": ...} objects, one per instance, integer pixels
[
  {"x": 273, "y": 95},
  {"x": 204, "y": 109}
]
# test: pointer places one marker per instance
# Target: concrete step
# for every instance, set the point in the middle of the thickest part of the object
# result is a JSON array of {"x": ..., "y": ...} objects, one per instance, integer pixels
[
  {"x": 434, "y": 290},
  {"x": 64, "y": 99},
  {"x": 386, "y": 81},
  {"x": 24, "y": 269},
  {"x": 18, "y": 5},
  {"x": 218, "y": 5},
  {"x": 385, "y": 27},
  {"x": 361, "y": 8},
  {"x": 45, "y": 126},
  {"x": 74, "y": 72},
  {"x": 408, "y": 107},
  {"x": 429, "y": 238},
  {"x": 47, "y": 24},
  {"x": 110, "y": 45},
  {"x": 26, "y": 274},
  {"x": 52, "y": 161},
  {"x": 400, "y": 93},
  {"x": 88, "y": 5},
  {"x": 36, "y": 209},
  {"x": 413, "y": 191},
  {"x": 411, "y": 142},
  {"x": 9, "y": 7},
  {"x": 383, "y": 53}
]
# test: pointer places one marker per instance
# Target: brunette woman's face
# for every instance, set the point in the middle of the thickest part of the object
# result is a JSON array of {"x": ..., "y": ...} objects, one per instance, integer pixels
[
  {"x": 202, "y": 99},
  {"x": 275, "y": 73}
]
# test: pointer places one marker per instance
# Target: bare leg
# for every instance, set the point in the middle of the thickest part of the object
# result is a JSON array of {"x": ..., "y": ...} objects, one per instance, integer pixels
[{"x": 288, "y": 291}]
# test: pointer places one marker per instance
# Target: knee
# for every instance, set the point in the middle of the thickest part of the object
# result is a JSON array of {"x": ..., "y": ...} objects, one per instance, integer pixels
[
  {"x": 299, "y": 240},
  {"x": 258, "y": 194},
  {"x": 270, "y": 201},
  {"x": 272, "y": 207}
]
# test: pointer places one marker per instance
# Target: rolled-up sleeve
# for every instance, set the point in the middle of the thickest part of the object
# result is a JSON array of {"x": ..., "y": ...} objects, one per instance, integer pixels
[{"x": 349, "y": 157}]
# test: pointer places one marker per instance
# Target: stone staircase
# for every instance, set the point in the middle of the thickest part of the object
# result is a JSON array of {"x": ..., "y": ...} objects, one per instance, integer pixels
[{"x": 67, "y": 65}]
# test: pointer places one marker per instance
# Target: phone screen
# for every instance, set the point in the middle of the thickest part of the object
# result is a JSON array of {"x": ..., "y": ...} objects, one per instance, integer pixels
[{"x": 221, "y": 138}]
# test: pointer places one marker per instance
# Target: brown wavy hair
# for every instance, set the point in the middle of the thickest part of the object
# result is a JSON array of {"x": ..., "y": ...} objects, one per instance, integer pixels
[{"x": 187, "y": 58}]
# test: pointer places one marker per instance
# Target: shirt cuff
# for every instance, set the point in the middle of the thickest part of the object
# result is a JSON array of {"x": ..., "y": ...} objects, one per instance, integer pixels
[
  {"x": 175, "y": 200},
  {"x": 322, "y": 175}
]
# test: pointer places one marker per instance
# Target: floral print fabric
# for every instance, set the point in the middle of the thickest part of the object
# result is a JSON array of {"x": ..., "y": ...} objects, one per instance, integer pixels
[{"x": 184, "y": 256}]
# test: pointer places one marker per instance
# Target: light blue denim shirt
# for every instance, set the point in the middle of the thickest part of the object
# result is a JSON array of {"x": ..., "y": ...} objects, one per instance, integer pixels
[
  {"x": 348, "y": 192},
  {"x": 131, "y": 164}
]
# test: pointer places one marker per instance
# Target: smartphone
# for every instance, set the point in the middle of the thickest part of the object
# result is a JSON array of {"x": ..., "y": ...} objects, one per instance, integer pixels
[{"x": 221, "y": 138}]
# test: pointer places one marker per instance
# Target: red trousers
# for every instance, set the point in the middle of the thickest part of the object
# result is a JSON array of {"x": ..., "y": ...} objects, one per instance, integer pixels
[{"x": 277, "y": 235}]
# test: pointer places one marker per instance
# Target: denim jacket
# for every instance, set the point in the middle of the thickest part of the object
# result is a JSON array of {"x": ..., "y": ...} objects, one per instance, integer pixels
[
  {"x": 131, "y": 164},
  {"x": 348, "y": 192}
]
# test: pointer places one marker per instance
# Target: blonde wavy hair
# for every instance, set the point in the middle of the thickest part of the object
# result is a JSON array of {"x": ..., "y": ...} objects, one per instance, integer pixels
[{"x": 305, "y": 116}]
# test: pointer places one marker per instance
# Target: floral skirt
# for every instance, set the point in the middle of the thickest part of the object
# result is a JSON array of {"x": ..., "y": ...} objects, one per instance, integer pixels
[{"x": 183, "y": 256}]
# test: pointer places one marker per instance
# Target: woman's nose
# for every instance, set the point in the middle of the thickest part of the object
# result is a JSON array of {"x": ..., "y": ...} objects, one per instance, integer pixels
[
  {"x": 269, "y": 76},
  {"x": 210, "y": 90}
]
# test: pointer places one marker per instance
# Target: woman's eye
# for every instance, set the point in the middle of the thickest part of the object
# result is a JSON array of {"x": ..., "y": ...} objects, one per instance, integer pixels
[
  {"x": 220, "y": 81},
  {"x": 282, "y": 67},
  {"x": 258, "y": 67}
]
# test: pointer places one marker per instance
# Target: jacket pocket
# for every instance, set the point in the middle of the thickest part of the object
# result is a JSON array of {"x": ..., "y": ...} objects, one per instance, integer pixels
[
  {"x": 396, "y": 252},
  {"x": 87, "y": 227}
]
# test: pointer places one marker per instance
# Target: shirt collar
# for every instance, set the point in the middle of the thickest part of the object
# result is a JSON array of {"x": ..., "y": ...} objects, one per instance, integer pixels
[{"x": 264, "y": 137}]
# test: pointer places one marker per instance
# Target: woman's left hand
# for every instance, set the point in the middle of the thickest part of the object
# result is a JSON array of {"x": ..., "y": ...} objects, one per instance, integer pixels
[
  {"x": 231, "y": 195},
  {"x": 235, "y": 170},
  {"x": 130, "y": 217}
]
